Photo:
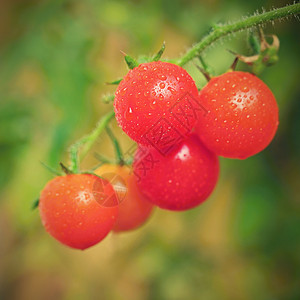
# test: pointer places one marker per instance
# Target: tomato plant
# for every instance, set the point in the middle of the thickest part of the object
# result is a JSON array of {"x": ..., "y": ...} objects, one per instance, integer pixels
[{"x": 157, "y": 104}]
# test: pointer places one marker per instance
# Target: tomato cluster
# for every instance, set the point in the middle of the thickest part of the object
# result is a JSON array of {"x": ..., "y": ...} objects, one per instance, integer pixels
[{"x": 180, "y": 134}]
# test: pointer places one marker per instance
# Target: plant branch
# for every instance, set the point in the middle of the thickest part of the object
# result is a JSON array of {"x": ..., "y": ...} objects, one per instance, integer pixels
[
  {"x": 85, "y": 143},
  {"x": 220, "y": 31}
]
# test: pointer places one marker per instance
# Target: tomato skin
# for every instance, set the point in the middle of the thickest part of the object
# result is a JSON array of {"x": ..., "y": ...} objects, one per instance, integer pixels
[
  {"x": 134, "y": 208},
  {"x": 241, "y": 118},
  {"x": 154, "y": 96},
  {"x": 71, "y": 209},
  {"x": 180, "y": 180}
]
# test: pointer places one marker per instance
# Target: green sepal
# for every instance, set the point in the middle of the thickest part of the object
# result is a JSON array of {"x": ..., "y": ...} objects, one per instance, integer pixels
[
  {"x": 108, "y": 98},
  {"x": 66, "y": 170},
  {"x": 131, "y": 62},
  {"x": 35, "y": 204},
  {"x": 266, "y": 58},
  {"x": 115, "y": 82},
  {"x": 158, "y": 55},
  {"x": 53, "y": 171}
]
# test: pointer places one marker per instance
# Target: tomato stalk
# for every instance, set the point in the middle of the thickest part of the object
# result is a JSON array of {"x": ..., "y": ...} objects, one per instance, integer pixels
[
  {"x": 118, "y": 150},
  {"x": 220, "y": 31},
  {"x": 79, "y": 150}
]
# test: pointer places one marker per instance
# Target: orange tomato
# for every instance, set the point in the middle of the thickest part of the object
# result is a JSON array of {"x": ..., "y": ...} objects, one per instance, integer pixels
[{"x": 134, "y": 208}]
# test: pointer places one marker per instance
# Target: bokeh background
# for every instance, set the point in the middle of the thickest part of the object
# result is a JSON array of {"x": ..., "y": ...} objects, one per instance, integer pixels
[{"x": 55, "y": 57}]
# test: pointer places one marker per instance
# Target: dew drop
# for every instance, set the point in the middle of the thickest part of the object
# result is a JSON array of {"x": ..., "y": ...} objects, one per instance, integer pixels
[
  {"x": 129, "y": 114},
  {"x": 172, "y": 90},
  {"x": 123, "y": 91},
  {"x": 153, "y": 104},
  {"x": 162, "y": 85},
  {"x": 162, "y": 76}
]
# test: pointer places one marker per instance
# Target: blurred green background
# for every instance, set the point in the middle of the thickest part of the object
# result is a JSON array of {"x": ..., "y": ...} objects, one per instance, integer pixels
[{"x": 55, "y": 56}]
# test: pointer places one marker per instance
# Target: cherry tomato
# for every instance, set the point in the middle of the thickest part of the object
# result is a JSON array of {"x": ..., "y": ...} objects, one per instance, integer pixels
[
  {"x": 78, "y": 210},
  {"x": 134, "y": 209},
  {"x": 180, "y": 180}
]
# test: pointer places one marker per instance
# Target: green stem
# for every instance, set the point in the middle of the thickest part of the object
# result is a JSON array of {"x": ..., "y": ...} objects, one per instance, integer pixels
[
  {"x": 117, "y": 147},
  {"x": 85, "y": 143},
  {"x": 223, "y": 30}
]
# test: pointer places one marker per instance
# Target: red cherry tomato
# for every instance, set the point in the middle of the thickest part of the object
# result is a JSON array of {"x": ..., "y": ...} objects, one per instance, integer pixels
[
  {"x": 156, "y": 103},
  {"x": 78, "y": 210},
  {"x": 241, "y": 118},
  {"x": 180, "y": 180}
]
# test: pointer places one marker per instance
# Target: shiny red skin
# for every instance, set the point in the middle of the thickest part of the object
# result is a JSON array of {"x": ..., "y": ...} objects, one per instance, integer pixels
[
  {"x": 180, "y": 180},
  {"x": 241, "y": 118},
  {"x": 134, "y": 208},
  {"x": 153, "y": 91},
  {"x": 71, "y": 213}
]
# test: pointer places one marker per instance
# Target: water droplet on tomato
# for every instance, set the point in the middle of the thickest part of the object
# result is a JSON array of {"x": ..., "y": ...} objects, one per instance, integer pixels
[
  {"x": 162, "y": 76},
  {"x": 153, "y": 104},
  {"x": 123, "y": 91},
  {"x": 162, "y": 85},
  {"x": 172, "y": 90},
  {"x": 129, "y": 114}
]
